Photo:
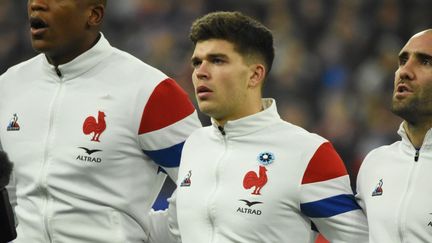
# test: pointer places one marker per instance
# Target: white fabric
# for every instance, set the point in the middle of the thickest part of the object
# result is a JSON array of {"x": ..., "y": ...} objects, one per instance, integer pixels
[
  {"x": 63, "y": 193},
  {"x": 212, "y": 199},
  {"x": 403, "y": 212}
]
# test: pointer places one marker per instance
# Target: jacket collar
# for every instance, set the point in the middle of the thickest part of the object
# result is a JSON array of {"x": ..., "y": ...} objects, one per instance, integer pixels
[
  {"x": 427, "y": 142},
  {"x": 83, "y": 63},
  {"x": 249, "y": 124}
]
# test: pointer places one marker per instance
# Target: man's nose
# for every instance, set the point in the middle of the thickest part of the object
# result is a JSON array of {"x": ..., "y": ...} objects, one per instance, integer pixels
[
  {"x": 406, "y": 71},
  {"x": 202, "y": 70},
  {"x": 35, "y": 5}
]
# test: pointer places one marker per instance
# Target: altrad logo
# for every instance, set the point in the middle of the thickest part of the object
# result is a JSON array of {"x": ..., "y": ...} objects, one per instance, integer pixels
[
  {"x": 89, "y": 158},
  {"x": 249, "y": 209},
  {"x": 90, "y": 151},
  {"x": 248, "y": 203}
]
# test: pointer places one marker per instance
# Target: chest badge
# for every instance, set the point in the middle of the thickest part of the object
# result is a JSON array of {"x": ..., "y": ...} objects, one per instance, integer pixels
[
  {"x": 13, "y": 124},
  {"x": 378, "y": 191},
  {"x": 266, "y": 158},
  {"x": 252, "y": 179},
  {"x": 97, "y": 127},
  {"x": 187, "y": 180}
]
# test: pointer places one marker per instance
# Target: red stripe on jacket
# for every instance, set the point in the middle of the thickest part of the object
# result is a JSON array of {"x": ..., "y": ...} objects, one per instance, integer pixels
[
  {"x": 167, "y": 105},
  {"x": 324, "y": 165}
]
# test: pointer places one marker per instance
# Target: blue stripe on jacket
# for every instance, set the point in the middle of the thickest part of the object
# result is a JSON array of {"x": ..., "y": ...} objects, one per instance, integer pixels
[
  {"x": 329, "y": 207},
  {"x": 167, "y": 157}
]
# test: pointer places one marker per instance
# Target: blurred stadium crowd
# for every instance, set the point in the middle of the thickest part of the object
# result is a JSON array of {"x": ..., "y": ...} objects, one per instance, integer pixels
[{"x": 334, "y": 65}]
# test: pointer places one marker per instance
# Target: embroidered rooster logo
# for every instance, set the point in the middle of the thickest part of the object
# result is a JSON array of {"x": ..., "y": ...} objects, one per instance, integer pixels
[
  {"x": 96, "y": 127},
  {"x": 258, "y": 181}
]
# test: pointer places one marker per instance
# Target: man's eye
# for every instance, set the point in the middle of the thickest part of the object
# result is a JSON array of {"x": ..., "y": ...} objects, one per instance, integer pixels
[
  {"x": 217, "y": 61},
  {"x": 427, "y": 62},
  {"x": 402, "y": 61},
  {"x": 195, "y": 63}
]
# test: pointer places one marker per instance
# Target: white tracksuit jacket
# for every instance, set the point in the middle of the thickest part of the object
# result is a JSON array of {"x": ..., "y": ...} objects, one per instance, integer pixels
[
  {"x": 89, "y": 141},
  {"x": 394, "y": 188},
  {"x": 263, "y": 180}
]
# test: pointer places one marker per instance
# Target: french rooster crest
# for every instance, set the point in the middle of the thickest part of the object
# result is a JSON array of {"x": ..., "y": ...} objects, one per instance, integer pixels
[
  {"x": 96, "y": 127},
  {"x": 251, "y": 179}
]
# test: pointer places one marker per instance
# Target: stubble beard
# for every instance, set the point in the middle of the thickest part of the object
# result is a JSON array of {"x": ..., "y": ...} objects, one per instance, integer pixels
[
  {"x": 405, "y": 111},
  {"x": 413, "y": 111}
]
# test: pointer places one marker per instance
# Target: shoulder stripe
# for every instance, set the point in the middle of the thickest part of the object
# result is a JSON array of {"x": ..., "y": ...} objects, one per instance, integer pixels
[
  {"x": 170, "y": 135},
  {"x": 329, "y": 207},
  {"x": 167, "y": 104},
  {"x": 168, "y": 157},
  {"x": 325, "y": 164},
  {"x": 316, "y": 191}
]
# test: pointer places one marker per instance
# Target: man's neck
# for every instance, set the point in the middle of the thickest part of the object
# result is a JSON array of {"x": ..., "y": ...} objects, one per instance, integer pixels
[
  {"x": 417, "y": 132},
  {"x": 249, "y": 108},
  {"x": 63, "y": 58}
]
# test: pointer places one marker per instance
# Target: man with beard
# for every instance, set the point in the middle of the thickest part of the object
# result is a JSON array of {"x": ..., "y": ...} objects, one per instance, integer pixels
[{"x": 394, "y": 181}]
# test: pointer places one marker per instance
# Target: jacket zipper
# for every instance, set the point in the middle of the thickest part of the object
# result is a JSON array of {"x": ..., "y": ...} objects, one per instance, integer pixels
[
  {"x": 417, "y": 154},
  {"x": 44, "y": 172},
  {"x": 406, "y": 196},
  {"x": 58, "y": 72},
  {"x": 222, "y": 130},
  {"x": 213, "y": 195}
]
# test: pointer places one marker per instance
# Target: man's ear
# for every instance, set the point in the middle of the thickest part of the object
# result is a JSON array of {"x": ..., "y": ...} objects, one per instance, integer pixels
[
  {"x": 258, "y": 72},
  {"x": 96, "y": 16}
]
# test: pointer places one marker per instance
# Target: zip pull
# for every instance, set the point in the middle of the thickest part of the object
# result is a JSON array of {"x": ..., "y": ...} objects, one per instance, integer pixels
[
  {"x": 221, "y": 129},
  {"x": 417, "y": 154},
  {"x": 57, "y": 70}
]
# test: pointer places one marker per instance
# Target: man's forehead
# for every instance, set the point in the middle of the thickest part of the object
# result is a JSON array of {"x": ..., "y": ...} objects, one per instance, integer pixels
[
  {"x": 421, "y": 43},
  {"x": 214, "y": 47}
]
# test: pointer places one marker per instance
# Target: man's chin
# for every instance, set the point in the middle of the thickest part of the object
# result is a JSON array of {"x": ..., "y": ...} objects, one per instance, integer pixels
[
  {"x": 405, "y": 111},
  {"x": 40, "y": 45},
  {"x": 206, "y": 108}
]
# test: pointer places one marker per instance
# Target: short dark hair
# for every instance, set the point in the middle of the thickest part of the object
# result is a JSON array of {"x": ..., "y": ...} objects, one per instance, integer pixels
[
  {"x": 104, "y": 2},
  {"x": 249, "y": 36}
]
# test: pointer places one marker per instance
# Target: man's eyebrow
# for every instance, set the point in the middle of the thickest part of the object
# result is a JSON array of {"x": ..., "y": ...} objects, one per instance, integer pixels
[
  {"x": 217, "y": 55},
  {"x": 423, "y": 56},
  {"x": 419, "y": 55},
  {"x": 403, "y": 54},
  {"x": 209, "y": 56},
  {"x": 195, "y": 59}
]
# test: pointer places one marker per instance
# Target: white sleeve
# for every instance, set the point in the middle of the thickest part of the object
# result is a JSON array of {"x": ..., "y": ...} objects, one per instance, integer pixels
[
  {"x": 163, "y": 225},
  {"x": 359, "y": 197},
  {"x": 334, "y": 211},
  {"x": 326, "y": 198}
]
